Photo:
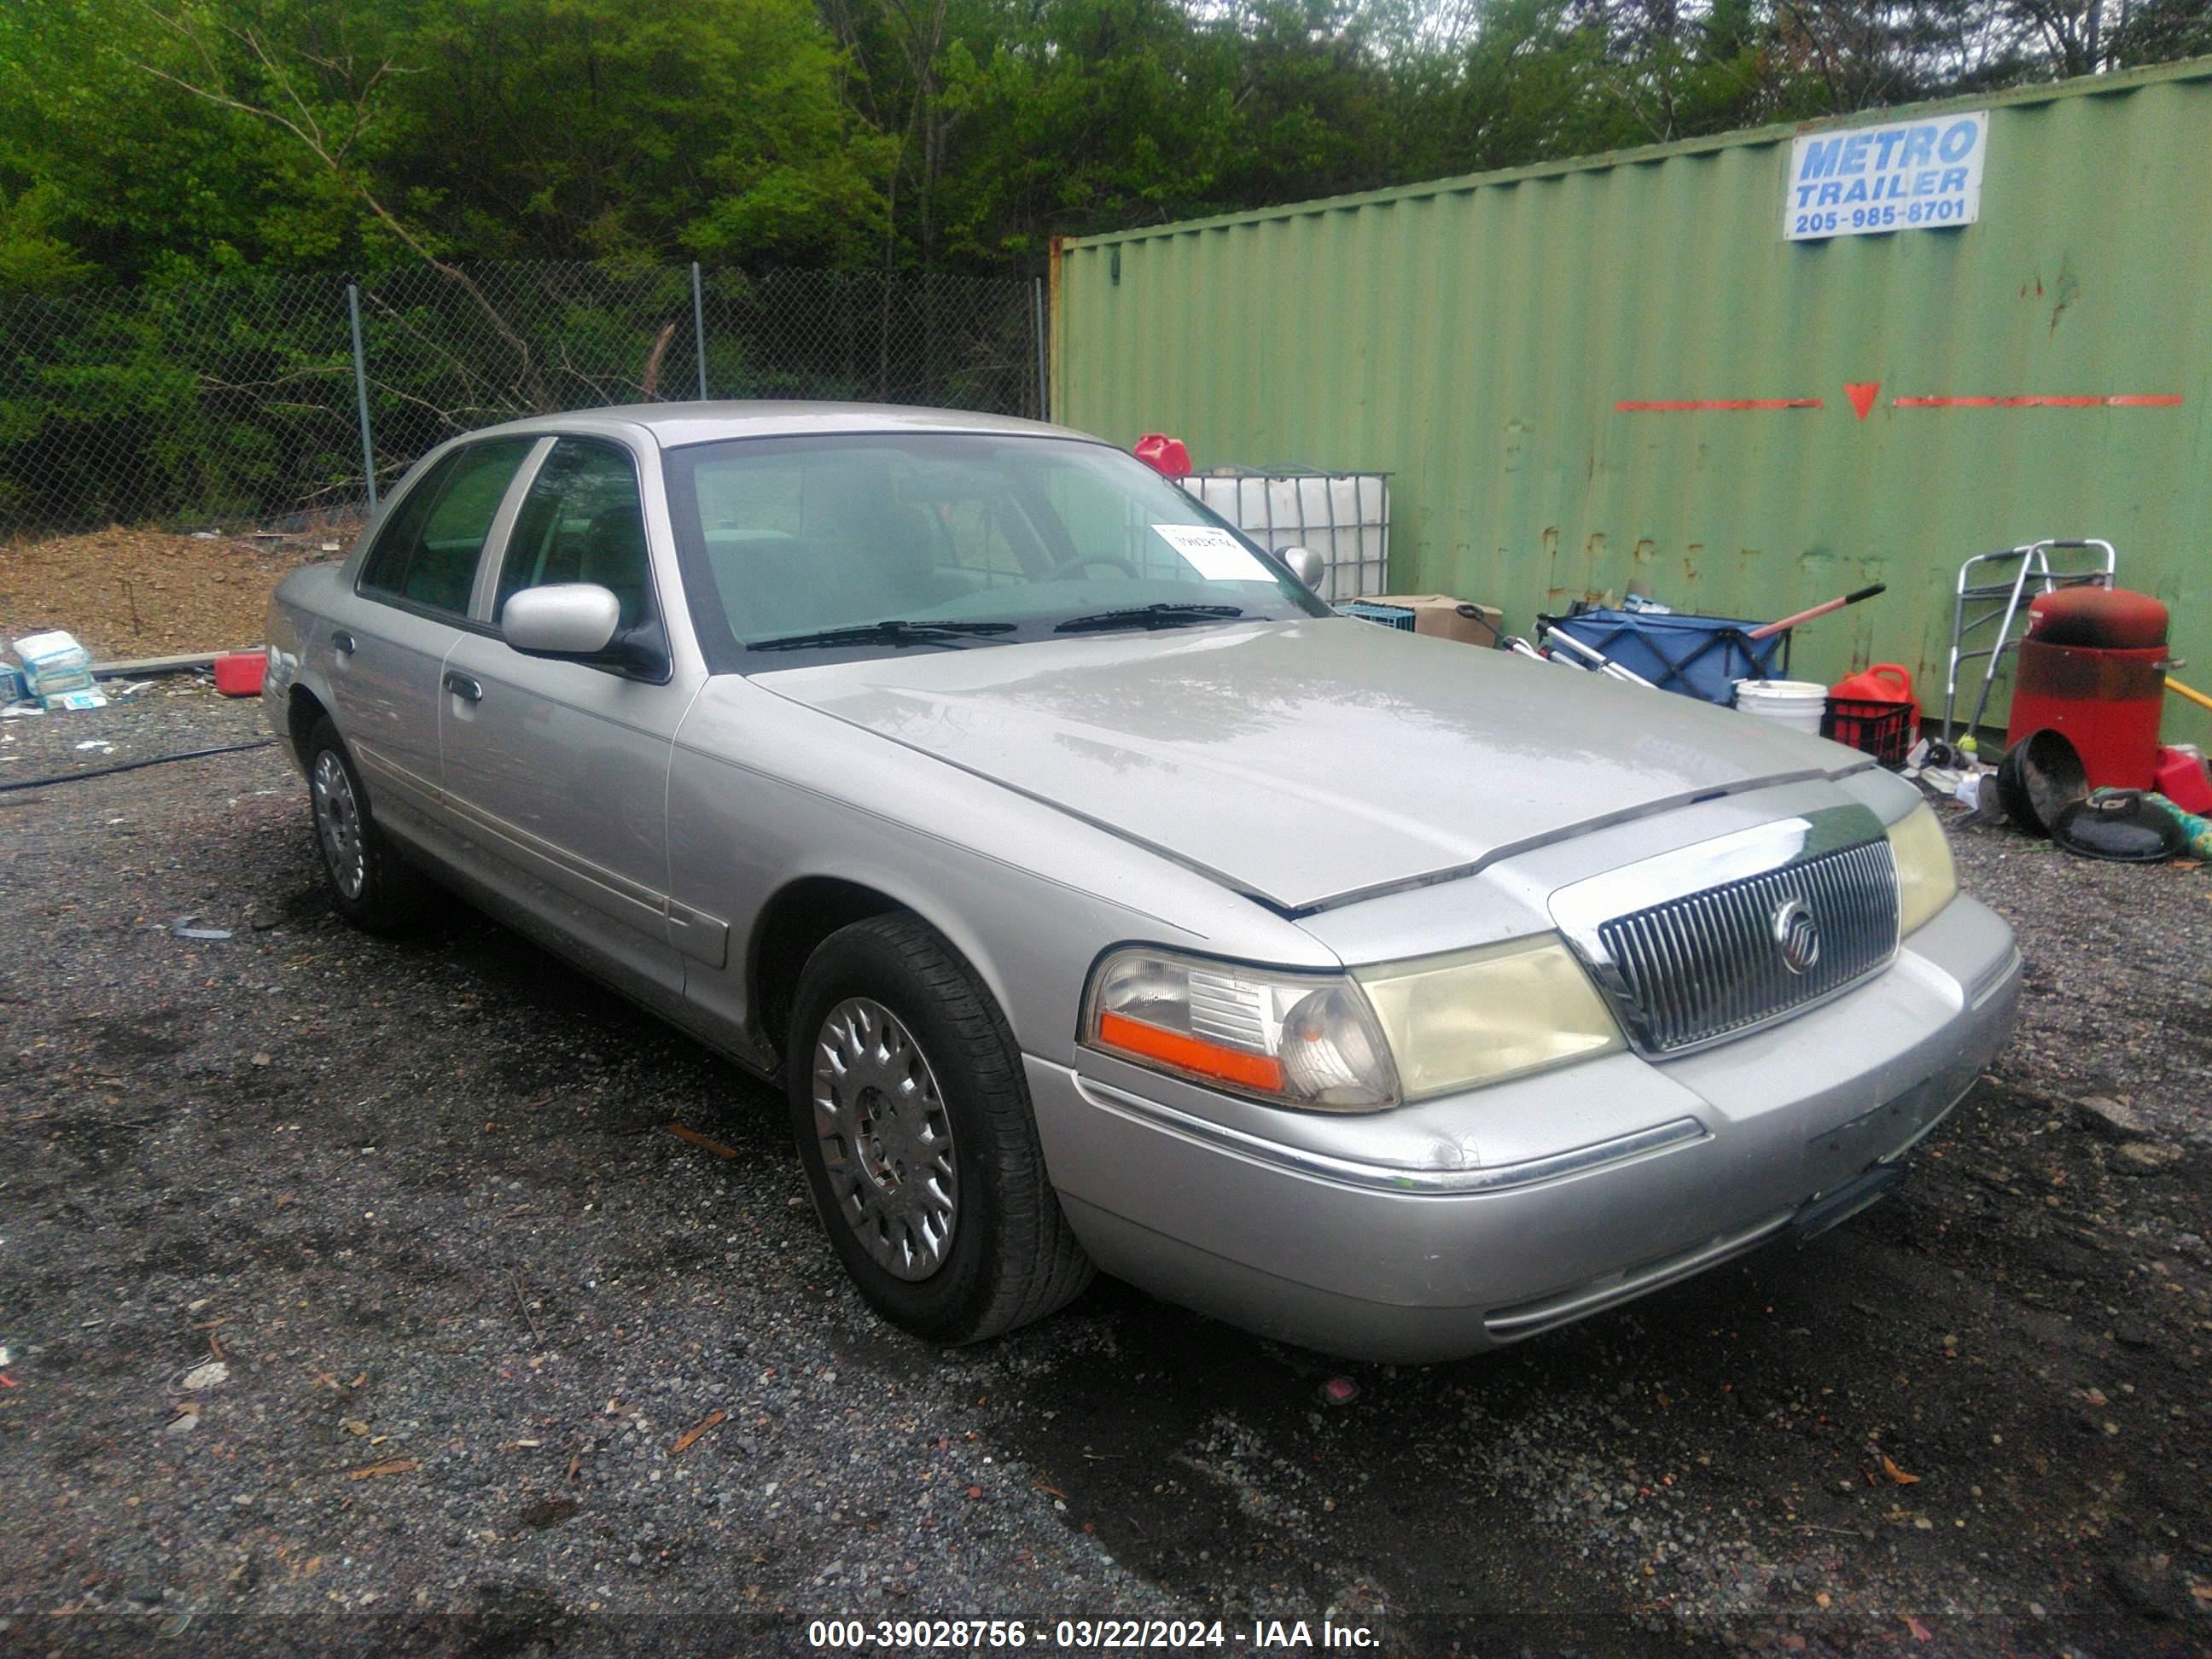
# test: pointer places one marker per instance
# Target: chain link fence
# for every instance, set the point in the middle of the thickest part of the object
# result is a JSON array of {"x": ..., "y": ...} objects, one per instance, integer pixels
[{"x": 243, "y": 400}]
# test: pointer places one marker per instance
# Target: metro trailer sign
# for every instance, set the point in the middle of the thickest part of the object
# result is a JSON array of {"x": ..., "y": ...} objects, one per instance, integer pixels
[{"x": 1910, "y": 175}]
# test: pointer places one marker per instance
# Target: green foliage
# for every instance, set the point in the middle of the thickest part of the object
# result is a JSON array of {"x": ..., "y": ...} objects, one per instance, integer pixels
[
  {"x": 165, "y": 139},
  {"x": 560, "y": 128},
  {"x": 183, "y": 182}
]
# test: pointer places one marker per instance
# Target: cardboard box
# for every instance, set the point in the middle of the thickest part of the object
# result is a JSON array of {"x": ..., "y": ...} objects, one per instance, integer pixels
[{"x": 1446, "y": 616}]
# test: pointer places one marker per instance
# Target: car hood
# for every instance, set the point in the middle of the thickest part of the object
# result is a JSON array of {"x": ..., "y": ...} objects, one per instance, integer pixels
[{"x": 1310, "y": 760}]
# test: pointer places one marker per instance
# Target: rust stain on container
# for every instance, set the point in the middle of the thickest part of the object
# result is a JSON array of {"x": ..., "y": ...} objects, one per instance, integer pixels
[{"x": 2067, "y": 288}]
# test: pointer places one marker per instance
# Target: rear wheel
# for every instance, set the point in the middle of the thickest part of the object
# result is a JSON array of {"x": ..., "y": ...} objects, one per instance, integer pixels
[
  {"x": 371, "y": 886},
  {"x": 913, "y": 1123}
]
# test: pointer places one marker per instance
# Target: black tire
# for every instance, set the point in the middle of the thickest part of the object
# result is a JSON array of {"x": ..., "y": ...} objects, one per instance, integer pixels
[
  {"x": 1011, "y": 1257},
  {"x": 381, "y": 893}
]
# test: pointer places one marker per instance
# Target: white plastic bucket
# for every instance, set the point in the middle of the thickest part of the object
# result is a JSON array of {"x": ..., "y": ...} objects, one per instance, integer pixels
[{"x": 1798, "y": 703}]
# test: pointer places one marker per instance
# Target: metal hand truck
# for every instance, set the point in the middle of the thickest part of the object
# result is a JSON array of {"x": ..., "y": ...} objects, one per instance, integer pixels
[{"x": 1985, "y": 597}]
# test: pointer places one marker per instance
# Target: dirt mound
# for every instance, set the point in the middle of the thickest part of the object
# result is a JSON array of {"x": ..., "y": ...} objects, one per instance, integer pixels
[{"x": 129, "y": 593}]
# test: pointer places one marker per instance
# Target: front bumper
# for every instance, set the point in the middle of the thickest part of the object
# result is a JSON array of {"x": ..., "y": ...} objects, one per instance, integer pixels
[{"x": 1441, "y": 1231}]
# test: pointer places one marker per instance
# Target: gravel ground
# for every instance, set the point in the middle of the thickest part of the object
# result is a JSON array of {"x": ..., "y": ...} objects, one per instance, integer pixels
[{"x": 358, "y": 1295}]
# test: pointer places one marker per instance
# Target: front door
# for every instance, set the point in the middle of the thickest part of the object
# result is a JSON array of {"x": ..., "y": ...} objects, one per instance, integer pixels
[
  {"x": 388, "y": 640},
  {"x": 556, "y": 772}
]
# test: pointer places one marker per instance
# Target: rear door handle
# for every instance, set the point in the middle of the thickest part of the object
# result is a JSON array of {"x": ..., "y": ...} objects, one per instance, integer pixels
[
  {"x": 343, "y": 643},
  {"x": 464, "y": 688}
]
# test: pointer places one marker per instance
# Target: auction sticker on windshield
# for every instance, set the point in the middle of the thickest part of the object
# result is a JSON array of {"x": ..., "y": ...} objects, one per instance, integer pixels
[
  {"x": 1908, "y": 175},
  {"x": 1214, "y": 554}
]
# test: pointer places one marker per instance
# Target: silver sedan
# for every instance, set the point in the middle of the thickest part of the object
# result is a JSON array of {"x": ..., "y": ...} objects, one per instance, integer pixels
[{"x": 1098, "y": 897}]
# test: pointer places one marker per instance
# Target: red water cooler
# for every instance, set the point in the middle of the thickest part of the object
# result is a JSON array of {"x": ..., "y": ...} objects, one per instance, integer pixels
[{"x": 2092, "y": 667}]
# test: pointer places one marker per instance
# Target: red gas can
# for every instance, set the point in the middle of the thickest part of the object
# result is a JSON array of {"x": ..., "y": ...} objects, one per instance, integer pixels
[
  {"x": 1164, "y": 455},
  {"x": 1886, "y": 682},
  {"x": 1875, "y": 711}
]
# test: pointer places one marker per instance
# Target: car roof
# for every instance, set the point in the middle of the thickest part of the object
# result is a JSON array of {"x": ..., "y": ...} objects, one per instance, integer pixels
[{"x": 673, "y": 424}]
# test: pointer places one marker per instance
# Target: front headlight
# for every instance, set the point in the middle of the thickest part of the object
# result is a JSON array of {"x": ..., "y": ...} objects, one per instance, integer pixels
[
  {"x": 1482, "y": 1016},
  {"x": 1304, "y": 1039},
  {"x": 1926, "y": 878}
]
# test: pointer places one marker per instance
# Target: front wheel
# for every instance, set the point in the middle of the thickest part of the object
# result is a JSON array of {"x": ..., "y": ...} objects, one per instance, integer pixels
[
  {"x": 913, "y": 1123},
  {"x": 371, "y": 886}
]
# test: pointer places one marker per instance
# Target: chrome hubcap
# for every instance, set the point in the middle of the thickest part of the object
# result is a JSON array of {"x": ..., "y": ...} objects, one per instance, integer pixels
[
  {"x": 886, "y": 1138},
  {"x": 338, "y": 825}
]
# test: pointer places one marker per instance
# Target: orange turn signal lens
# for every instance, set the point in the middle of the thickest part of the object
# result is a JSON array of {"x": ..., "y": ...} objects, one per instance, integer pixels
[{"x": 1190, "y": 1053}]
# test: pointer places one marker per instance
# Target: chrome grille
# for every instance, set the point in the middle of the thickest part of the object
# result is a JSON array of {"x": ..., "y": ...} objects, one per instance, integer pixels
[{"x": 1708, "y": 965}]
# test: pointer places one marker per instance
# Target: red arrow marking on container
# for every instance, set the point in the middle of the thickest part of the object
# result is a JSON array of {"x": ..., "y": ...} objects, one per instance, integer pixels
[
  {"x": 1861, "y": 394},
  {"x": 1673, "y": 405},
  {"x": 2157, "y": 400}
]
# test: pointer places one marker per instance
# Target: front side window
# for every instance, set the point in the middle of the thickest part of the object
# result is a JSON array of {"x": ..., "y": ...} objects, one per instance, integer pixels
[
  {"x": 999, "y": 539},
  {"x": 427, "y": 552},
  {"x": 582, "y": 521}
]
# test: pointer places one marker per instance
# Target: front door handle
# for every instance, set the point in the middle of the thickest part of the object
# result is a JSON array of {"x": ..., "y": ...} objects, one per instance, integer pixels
[
  {"x": 464, "y": 688},
  {"x": 343, "y": 643}
]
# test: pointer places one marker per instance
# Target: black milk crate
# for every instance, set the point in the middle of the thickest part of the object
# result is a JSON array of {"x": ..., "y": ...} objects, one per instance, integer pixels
[{"x": 1883, "y": 729}]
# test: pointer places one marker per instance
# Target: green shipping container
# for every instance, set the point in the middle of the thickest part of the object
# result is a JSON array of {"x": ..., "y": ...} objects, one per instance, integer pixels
[{"x": 1598, "y": 371}]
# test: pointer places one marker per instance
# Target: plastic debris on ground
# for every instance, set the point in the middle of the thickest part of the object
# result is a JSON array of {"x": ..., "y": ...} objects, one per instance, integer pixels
[
  {"x": 1961, "y": 779},
  {"x": 57, "y": 671}
]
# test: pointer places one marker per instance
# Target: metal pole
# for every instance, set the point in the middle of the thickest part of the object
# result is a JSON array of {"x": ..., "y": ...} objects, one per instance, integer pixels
[
  {"x": 1043, "y": 385},
  {"x": 699, "y": 328},
  {"x": 360, "y": 393}
]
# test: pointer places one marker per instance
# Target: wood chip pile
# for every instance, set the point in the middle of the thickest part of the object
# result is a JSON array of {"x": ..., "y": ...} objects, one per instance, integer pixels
[{"x": 129, "y": 593}]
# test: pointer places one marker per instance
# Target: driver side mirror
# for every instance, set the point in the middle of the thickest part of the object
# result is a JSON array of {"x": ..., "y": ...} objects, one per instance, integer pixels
[
  {"x": 1305, "y": 565},
  {"x": 566, "y": 619}
]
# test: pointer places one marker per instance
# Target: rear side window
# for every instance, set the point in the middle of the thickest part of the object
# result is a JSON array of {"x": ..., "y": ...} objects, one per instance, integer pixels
[
  {"x": 582, "y": 521},
  {"x": 427, "y": 553}
]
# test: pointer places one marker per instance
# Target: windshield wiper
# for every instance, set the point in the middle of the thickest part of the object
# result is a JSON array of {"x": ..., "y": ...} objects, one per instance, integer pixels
[
  {"x": 1147, "y": 615},
  {"x": 891, "y": 632}
]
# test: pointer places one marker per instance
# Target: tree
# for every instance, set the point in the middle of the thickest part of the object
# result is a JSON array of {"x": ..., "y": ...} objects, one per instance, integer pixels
[
  {"x": 561, "y": 128},
  {"x": 155, "y": 139}
]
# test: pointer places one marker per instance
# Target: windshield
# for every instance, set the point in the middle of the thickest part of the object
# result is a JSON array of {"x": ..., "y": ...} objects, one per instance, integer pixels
[{"x": 795, "y": 549}]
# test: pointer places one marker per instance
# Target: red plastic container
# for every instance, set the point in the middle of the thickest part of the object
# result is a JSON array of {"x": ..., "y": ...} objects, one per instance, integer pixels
[
  {"x": 1164, "y": 455},
  {"x": 2180, "y": 778},
  {"x": 1886, "y": 682},
  {"x": 240, "y": 673},
  {"x": 2108, "y": 704}
]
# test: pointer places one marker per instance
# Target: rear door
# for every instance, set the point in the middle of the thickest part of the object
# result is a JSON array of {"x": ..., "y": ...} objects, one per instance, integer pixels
[
  {"x": 388, "y": 642},
  {"x": 556, "y": 772}
]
